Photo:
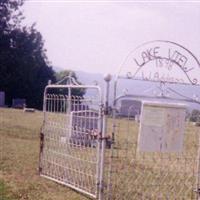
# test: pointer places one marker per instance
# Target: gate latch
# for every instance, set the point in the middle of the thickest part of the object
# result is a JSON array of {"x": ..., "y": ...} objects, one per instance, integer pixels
[
  {"x": 108, "y": 141},
  {"x": 104, "y": 138}
]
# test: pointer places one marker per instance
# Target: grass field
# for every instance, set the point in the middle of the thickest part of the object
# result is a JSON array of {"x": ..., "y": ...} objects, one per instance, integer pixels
[
  {"x": 19, "y": 154},
  {"x": 153, "y": 175},
  {"x": 134, "y": 175}
]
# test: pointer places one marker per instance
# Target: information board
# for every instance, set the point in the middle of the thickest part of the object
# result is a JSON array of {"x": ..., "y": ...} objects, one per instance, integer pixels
[{"x": 161, "y": 127}]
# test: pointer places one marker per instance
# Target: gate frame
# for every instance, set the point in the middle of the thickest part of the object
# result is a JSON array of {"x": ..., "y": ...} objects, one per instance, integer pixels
[{"x": 73, "y": 84}]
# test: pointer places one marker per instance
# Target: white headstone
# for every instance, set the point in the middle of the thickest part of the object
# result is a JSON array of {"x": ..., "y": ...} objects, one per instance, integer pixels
[
  {"x": 18, "y": 103},
  {"x": 83, "y": 121},
  {"x": 162, "y": 127},
  {"x": 2, "y": 99}
]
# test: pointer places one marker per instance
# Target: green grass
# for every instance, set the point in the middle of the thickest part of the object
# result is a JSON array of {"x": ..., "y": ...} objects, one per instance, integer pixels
[
  {"x": 4, "y": 192},
  {"x": 19, "y": 156},
  {"x": 147, "y": 175},
  {"x": 134, "y": 175}
]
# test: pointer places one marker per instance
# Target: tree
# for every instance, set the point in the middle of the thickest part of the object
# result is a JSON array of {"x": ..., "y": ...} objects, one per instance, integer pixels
[{"x": 24, "y": 67}]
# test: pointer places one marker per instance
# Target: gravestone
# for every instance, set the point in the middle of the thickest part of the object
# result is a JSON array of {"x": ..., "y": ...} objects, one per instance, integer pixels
[
  {"x": 18, "y": 103},
  {"x": 84, "y": 128},
  {"x": 130, "y": 108},
  {"x": 86, "y": 119},
  {"x": 84, "y": 125},
  {"x": 2, "y": 99},
  {"x": 162, "y": 127}
]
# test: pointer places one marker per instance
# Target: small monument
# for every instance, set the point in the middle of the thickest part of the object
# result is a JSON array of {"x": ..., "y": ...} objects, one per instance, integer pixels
[
  {"x": 130, "y": 108},
  {"x": 162, "y": 127},
  {"x": 2, "y": 99},
  {"x": 84, "y": 126},
  {"x": 18, "y": 103}
]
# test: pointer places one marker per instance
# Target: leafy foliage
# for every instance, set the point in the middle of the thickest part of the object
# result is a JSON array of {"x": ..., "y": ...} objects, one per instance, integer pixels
[{"x": 24, "y": 68}]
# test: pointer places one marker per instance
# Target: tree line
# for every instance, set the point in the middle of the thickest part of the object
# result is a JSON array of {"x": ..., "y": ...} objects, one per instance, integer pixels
[{"x": 24, "y": 66}]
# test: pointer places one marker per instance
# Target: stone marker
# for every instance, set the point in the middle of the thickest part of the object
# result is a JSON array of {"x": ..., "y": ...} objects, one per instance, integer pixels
[
  {"x": 18, "y": 103},
  {"x": 2, "y": 99}
]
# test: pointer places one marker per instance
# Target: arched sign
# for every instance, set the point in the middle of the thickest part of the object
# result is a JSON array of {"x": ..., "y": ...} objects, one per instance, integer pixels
[{"x": 161, "y": 61}]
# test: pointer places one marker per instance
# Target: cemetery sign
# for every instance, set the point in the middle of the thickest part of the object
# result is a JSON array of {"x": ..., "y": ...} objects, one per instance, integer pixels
[{"x": 161, "y": 61}]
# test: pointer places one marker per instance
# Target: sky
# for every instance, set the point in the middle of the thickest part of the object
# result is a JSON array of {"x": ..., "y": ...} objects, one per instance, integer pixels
[{"x": 96, "y": 36}]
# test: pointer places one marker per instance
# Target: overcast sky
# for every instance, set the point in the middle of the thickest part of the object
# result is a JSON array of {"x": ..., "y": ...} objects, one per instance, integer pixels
[{"x": 97, "y": 36}]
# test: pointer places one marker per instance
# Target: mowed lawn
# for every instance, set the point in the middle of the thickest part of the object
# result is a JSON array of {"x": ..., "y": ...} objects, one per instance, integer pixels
[
  {"x": 171, "y": 175},
  {"x": 19, "y": 155}
]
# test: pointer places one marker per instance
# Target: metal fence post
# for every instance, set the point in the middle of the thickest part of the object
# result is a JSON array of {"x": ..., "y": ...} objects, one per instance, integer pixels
[
  {"x": 107, "y": 79},
  {"x": 198, "y": 171}
]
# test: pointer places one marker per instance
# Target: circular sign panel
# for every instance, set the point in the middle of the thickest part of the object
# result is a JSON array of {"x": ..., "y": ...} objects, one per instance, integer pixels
[{"x": 161, "y": 61}]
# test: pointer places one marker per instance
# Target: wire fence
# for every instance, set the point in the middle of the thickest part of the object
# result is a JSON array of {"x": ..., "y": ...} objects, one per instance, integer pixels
[{"x": 150, "y": 175}]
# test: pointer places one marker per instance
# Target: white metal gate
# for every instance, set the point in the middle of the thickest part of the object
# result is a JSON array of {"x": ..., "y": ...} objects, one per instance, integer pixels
[{"x": 70, "y": 149}]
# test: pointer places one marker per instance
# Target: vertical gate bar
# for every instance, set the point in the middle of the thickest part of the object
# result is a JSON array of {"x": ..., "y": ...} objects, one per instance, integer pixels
[
  {"x": 42, "y": 128},
  {"x": 107, "y": 79},
  {"x": 69, "y": 100},
  {"x": 112, "y": 144},
  {"x": 102, "y": 156},
  {"x": 98, "y": 166},
  {"x": 58, "y": 99},
  {"x": 52, "y": 103},
  {"x": 198, "y": 170},
  {"x": 98, "y": 153},
  {"x": 44, "y": 105}
]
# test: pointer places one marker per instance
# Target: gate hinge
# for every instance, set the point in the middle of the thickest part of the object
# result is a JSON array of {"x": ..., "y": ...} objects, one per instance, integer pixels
[
  {"x": 104, "y": 138},
  {"x": 41, "y": 136},
  {"x": 102, "y": 109},
  {"x": 40, "y": 170},
  {"x": 105, "y": 110},
  {"x": 107, "y": 140},
  {"x": 41, "y": 141},
  {"x": 41, "y": 151}
]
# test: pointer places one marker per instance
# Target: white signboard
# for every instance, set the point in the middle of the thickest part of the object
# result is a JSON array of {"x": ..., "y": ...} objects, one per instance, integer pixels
[{"x": 162, "y": 127}]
